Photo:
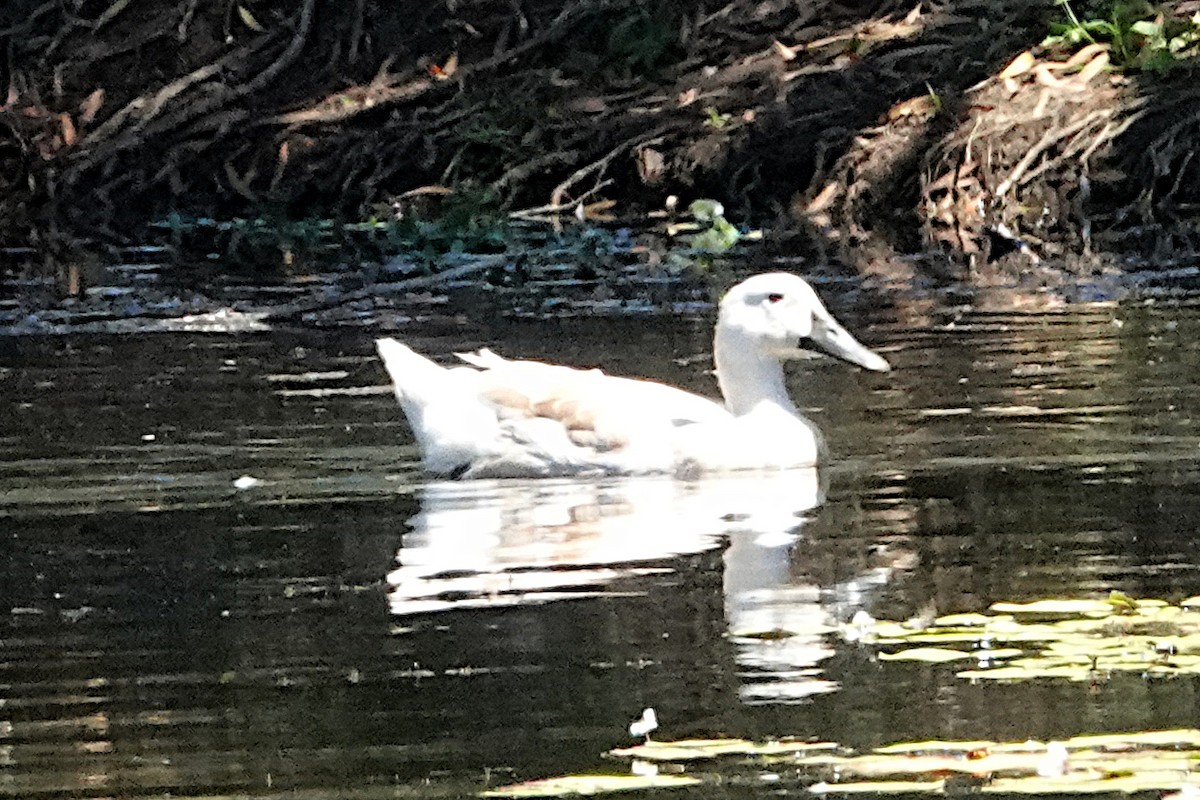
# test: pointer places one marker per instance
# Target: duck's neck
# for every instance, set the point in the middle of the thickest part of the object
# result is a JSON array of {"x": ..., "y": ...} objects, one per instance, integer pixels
[{"x": 750, "y": 380}]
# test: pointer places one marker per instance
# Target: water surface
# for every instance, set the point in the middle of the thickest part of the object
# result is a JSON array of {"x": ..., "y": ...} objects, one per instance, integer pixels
[{"x": 344, "y": 628}]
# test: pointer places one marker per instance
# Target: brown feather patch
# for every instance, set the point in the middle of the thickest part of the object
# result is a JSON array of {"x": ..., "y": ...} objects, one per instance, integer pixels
[{"x": 510, "y": 399}]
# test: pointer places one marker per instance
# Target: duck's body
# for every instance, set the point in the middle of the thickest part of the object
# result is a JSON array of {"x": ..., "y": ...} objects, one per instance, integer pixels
[{"x": 502, "y": 418}]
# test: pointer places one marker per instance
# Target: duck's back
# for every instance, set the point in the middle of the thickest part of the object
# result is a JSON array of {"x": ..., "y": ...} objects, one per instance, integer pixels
[{"x": 528, "y": 419}]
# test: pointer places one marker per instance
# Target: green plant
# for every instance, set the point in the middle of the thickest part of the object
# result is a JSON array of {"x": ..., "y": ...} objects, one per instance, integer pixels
[
  {"x": 1140, "y": 35},
  {"x": 714, "y": 118},
  {"x": 468, "y": 219},
  {"x": 717, "y": 234}
]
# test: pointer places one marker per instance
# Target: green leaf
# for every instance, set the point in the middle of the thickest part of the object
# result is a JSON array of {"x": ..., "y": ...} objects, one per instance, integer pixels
[
  {"x": 929, "y": 655},
  {"x": 705, "y": 749},
  {"x": 1146, "y": 27}
]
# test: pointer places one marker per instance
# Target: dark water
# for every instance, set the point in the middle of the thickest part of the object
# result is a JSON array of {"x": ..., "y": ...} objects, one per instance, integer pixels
[{"x": 343, "y": 630}]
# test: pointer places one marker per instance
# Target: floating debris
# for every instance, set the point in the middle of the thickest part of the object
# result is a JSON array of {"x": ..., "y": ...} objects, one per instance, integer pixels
[
  {"x": 246, "y": 482},
  {"x": 643, "y": 727}
]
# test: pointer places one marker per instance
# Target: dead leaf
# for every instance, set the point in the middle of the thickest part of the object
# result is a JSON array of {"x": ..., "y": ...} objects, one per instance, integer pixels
[
  {"x": 249, "y": 21},
  {"x": 919, "y": 108},
  {"x": 446, "y": 71},
  {"x": 74, "y": 280},
  {"x": 687, "y": 98},
  {"x": 432, "y": 189},
  {"x": 1018, "y": 66},
  {"x": 90, "y": 106},
  {"x": 651, "y": 165},
  {"x": 1047, "y": 78},
  {"x": 69, "y": 135},
  {"x": 598, "y": 211},
  {"x": 824, "y": 199},
  {"x": 942, "y": 183},
  {"x": 913, "y": 15},
  {"x": 785, "y": 52},
  {"x": 1093, "y": 68},
  {"x": 48, "y": 146},
  {"x": 1086, "y": 54},
  {"x": 283, "y": 153},
  {"x": 589, "y": 105}
]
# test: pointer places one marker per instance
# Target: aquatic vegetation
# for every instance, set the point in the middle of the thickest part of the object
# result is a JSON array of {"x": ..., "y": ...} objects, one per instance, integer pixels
[
  {"x": 421, "y": 227},
  {"x": 1127, "y": 762},
  {"x": 1070, "y": 638},
  {"x": 705, "y": 749},
  {"x": 1086, "y": 764},
  {"x": 1075, "y": 639},
  {"x": 711, "y": 234},
  {"x": 591, "y": 784}
]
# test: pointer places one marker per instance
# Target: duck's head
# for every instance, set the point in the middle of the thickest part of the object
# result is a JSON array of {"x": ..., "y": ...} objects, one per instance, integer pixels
[{"x": 779, "y": 315}]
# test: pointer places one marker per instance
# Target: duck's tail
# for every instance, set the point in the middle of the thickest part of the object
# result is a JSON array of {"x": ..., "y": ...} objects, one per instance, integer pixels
[
  {"x": 451, "y": 425},
  {"x": 415, "y": 378}
]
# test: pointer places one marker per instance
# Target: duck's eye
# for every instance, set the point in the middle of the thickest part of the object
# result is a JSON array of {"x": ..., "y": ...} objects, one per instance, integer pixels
[{"x": 774, "y": 297}]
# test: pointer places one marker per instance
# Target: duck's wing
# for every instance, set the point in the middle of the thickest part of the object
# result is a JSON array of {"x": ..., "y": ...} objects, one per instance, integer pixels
[
  {"x": 617, "y": 424},
  {"x": 502, "y": 418},
  {"x": 582, "y": 399}
]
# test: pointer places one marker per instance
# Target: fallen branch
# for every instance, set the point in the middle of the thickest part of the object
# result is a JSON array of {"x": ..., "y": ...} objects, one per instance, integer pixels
[
  {"x": 599, "y": 165},
  {"x": 478, "y": 264}
]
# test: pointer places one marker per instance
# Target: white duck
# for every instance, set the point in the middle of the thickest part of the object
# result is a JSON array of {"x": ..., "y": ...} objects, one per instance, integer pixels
[{"x": 506, "y": 418}]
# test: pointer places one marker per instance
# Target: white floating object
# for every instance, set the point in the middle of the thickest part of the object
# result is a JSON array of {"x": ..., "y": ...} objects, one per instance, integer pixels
[
  {"x": 860, "y": 626},
  {"x": 1056, "y": 761},
  {"x": 246, "y": 482},
  {"x": 644, "y": 726},
  {"x": 1188, "y": 791}
]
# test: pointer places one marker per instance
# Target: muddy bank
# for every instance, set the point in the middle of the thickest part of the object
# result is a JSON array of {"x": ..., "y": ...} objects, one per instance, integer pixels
[{"x": 863, "y": 133}]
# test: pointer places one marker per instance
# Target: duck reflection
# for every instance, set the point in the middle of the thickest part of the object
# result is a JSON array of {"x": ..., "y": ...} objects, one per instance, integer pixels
[{"x": 497, "y": 543}]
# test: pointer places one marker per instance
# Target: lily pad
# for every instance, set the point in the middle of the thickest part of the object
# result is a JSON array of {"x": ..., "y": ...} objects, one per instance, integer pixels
[
  {"x": 968, "y": 620},
  {"x": 701, "y": 749},
  {"x": 1025, "y": 672},
  {"x": 936, "y": 746},
  {"x": 590, "y": 784},
  {"x": 1086, "y": 764},
  {"x": 1179, "y": 737},
  {"x": 879, "y": 787},
  {"x": 1078, "y": 640},
  {"x": 1067, "y": 607},
  {"x": 1088, "y": 783},
  {"x": 930, "y": 655}
]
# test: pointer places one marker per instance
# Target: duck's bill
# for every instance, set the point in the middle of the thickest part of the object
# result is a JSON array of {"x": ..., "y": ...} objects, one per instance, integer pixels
[{"x": 832, "y": 339}]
